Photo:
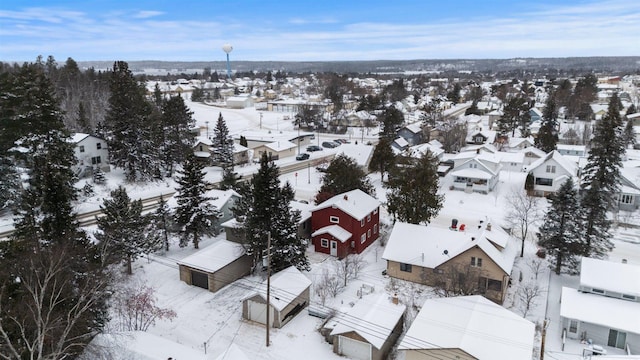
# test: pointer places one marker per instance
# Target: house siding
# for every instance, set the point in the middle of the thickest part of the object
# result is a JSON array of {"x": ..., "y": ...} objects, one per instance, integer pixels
[
  {"x": 376, "y": 354},
  {"x": 278, "y": 316},
  {"x": 600, "y": 334},
  {"x": 224, "y": 276},
  {"x": 321, "y": 218}
]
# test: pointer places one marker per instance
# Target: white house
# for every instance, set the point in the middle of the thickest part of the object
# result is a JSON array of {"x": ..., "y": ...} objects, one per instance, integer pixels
[
  {"x": 474, "y": 176},
  {"x": 239, "y": 102},
  {"x": 90, "y": 152},
  {"x": 467, "y": 327},
  {"x": 604, "y": 285},
  {"x": 550, "y": 172}
]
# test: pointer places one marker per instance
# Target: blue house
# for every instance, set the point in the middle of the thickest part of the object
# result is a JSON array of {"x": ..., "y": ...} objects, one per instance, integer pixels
[{"x": 535, "y": 114}]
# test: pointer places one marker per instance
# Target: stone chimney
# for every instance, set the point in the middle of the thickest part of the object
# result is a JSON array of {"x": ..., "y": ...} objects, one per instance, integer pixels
[
  {"x": 488, "y": 226},
  {"x": 394, "y": 299}
]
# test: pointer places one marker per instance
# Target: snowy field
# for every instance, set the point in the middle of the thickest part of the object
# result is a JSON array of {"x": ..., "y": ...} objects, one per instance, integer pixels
[{"x": 212, "y": 322}]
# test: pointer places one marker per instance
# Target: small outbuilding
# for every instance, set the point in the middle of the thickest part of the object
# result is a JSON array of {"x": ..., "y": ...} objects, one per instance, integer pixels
[
  {"x": 369, "y": 329},
  {"x": 289, "y": 294},
  {"x": 215, "y": 266}
]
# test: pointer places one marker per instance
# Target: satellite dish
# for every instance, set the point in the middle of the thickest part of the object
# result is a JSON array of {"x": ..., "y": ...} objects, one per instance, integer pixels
[
  {"x": 446, "y": 252},
  {"x": 227, "y": 48}
]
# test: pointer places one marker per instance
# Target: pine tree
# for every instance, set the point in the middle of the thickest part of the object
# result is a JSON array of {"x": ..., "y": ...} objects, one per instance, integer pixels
[
  {"x": 177, "y": 120},
  {"x": 288, "y": 247},
  {"x": 270, "y": 213},
  {"x": 98, "y": 176},
  {"x": 629, "y": 134},
  {"x": 561, "y": 233},
  {"x": 128, "y": 127},
  {"x": 514, "y": 113},
  {"x": 391, "y": 120},
  {"x": 382, "y": 158},
  {"x": 122, "y": 231},
  {"x": 606, "y": 151},
  {"x": 222, "y": 144},
  {"x": 194, "y": 213},
  {"x": 160, "y": 219},
  {"x": 9, "y": 184},
  {"x": 594, "y": 204},
  {"x": 343, "y": 174},
  {"x": 548, "y": 134},
  {"x": 413, "y": 191}
]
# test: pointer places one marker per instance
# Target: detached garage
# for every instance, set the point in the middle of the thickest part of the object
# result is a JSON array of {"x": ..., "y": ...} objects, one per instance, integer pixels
[
  {"x": 369, "y": 330},
  {"x": 289, "y": 294},
  {"x": 215, "y": 266}
]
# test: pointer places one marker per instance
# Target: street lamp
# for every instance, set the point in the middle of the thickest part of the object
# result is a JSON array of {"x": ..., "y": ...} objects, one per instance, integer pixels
[
  {"x": 207, "y": 124},
  {"x": 261, "y": 120}
]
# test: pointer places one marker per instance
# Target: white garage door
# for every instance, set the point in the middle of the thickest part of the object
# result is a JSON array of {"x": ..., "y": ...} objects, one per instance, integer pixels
[
  {"x": 258, "y": 312},
  {"x": 354, "y": 349}
]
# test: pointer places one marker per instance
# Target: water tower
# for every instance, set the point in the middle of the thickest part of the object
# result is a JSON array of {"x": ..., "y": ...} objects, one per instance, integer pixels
[{"x": 227, "y": 48}]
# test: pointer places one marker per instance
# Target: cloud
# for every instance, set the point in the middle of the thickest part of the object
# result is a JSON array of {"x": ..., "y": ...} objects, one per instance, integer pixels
[{"x": 147, "y": 14}]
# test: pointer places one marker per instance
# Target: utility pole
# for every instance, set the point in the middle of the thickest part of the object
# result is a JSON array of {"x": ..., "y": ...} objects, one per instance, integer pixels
[
  {"x": 544, "y": 334},
  {"x": 269, "y": 282}
]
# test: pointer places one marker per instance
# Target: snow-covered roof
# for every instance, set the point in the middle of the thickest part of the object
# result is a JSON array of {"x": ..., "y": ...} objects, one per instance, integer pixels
[
  {"x": 611, "y": 276},
  {"x": 220, "y": 197},
  {"x": 560, "y": 159},
  {"x": 421, "y": 149},
  {"x": 334, "y": 230},
  {"x": 286, "y": 285},
  {"x": 431, "y": 246},
  {"x": 373, "y": 317},
  {"x": 140, "y": 345},
  {"x": 77, "y": 137},
  {"x": 620, "y": 314},
  {"x": 305, "y": 209},
  {"x": 401, "y": 142},
  {"x": 533, "y": 150},
  {"x": 511, "y": 157},
  {"x": 215, "y": 256},
  {"x": 281, "y": 145},
  {"x": 355, "y": 203},
  {"x": 473, "y": 324},
  {"x": 202, "y": 154},
  {"x": 233, "y": 352},
  {"x": 473, "y": 173},
  {"x": 415, "y": 128}
]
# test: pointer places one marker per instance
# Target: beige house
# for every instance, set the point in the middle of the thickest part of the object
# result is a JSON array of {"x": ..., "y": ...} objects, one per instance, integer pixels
[
  {"x": 438, "y": 256},
  {"x": 467, "y": 328},
  {"x": 215, "y": 266},
  {"x": 289, "y": 294},
  {"x": 276, "y": 150}
]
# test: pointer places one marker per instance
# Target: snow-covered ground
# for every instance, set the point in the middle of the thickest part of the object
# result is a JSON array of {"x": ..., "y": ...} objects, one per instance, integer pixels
[{"x": 212, "y": 322}]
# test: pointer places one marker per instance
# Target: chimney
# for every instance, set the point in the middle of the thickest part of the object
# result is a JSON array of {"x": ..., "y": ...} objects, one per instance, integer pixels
[
  {"x": 488, "y": 226},
  {"x": 624, "y": 261},
  {"x": 394, "y": 299},
  {"x": 473, "y": 239},
  {"x": 345, "y": 197}
]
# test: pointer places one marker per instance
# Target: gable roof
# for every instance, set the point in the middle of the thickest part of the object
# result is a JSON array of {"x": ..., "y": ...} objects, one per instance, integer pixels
[
  {"x": 567, "y": 165},
  {"x": 612, "y": 276},
  {"x": 473, "y": 324},
  {"x": 373, "y": 317},
  {"x": 335, "y": 231},
  {"x": 286, "y": 285},
  {"x": 77, "y": 137},
  {"x": 431, "y": 246},
  {"x": 139, "y": 345},
  {"x": 356, "y": 203},
  {"x": 215, "y": 256},
  {"x": 482, "y": 171},
  {"x": 280, "y": 145}
]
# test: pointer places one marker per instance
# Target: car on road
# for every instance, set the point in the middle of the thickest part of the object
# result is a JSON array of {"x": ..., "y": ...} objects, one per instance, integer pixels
[
  {"x": 312, "y": 148},
  {"x": 302, "y": 156},
  {"x": 329, "y": 144}
]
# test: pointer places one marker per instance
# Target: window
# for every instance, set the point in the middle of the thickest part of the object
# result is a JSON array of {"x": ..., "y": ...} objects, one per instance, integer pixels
[
  {"x": 98, "y": 146},
  {"x": 81, "y": 148},
  {"x": 551, "y": 169},
  {"x": 597, "y": 291},
  {"x": 324, "y": 243},
  {"x": 473, "y": 165},
  {"x": 573, "y": 326},
  {"x": 369, "y": 218},
  {"x": 375, "y": 228},
  {"x": 617, "y": 339},
  {"x": 626, "y": 199},
  {"x": 334, "y": 219},
  {"x": 628, "y": 297},
  {"x": 476, "y": 262},
  {"x": 369, "y": 233},
  {"x": 495, "y": 285},
  {"x": 96, "y": 160},
  {"x": 362, "y": 222},
  {"x": 544, "y": 181},
  {"x": 363, "y": 238},
  {"x": 405, "y": 267}
]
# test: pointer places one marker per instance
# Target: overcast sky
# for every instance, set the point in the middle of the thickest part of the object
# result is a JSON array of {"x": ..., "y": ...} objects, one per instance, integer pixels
[{"x": 300, "y": 30}]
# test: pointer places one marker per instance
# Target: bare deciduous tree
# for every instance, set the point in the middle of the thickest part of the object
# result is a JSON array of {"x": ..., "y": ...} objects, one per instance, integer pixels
[
  {"x": 535, "y": 265},
  {"x": 523, "y": 212},
  {"x": 136, "y": 310},
  {"x": 528, "y": 293},
  {"x": 349, "y": 267},
  {"x": 459, "y": 280}
]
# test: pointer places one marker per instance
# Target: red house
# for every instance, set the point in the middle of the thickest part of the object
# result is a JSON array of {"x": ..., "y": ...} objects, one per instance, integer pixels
[{"x": 345, "y": 224}]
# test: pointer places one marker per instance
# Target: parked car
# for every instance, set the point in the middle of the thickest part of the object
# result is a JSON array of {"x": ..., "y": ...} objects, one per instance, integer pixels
[
  {"x": 312, "y": 148},
  {"x": 329, "y": 144},
  {"x": 302, "y": 156},
  {"x": 342, "y": 141}
]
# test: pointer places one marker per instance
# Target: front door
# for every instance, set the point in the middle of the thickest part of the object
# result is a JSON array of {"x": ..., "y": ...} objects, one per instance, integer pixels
[{"x": 333, "y": 245}]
